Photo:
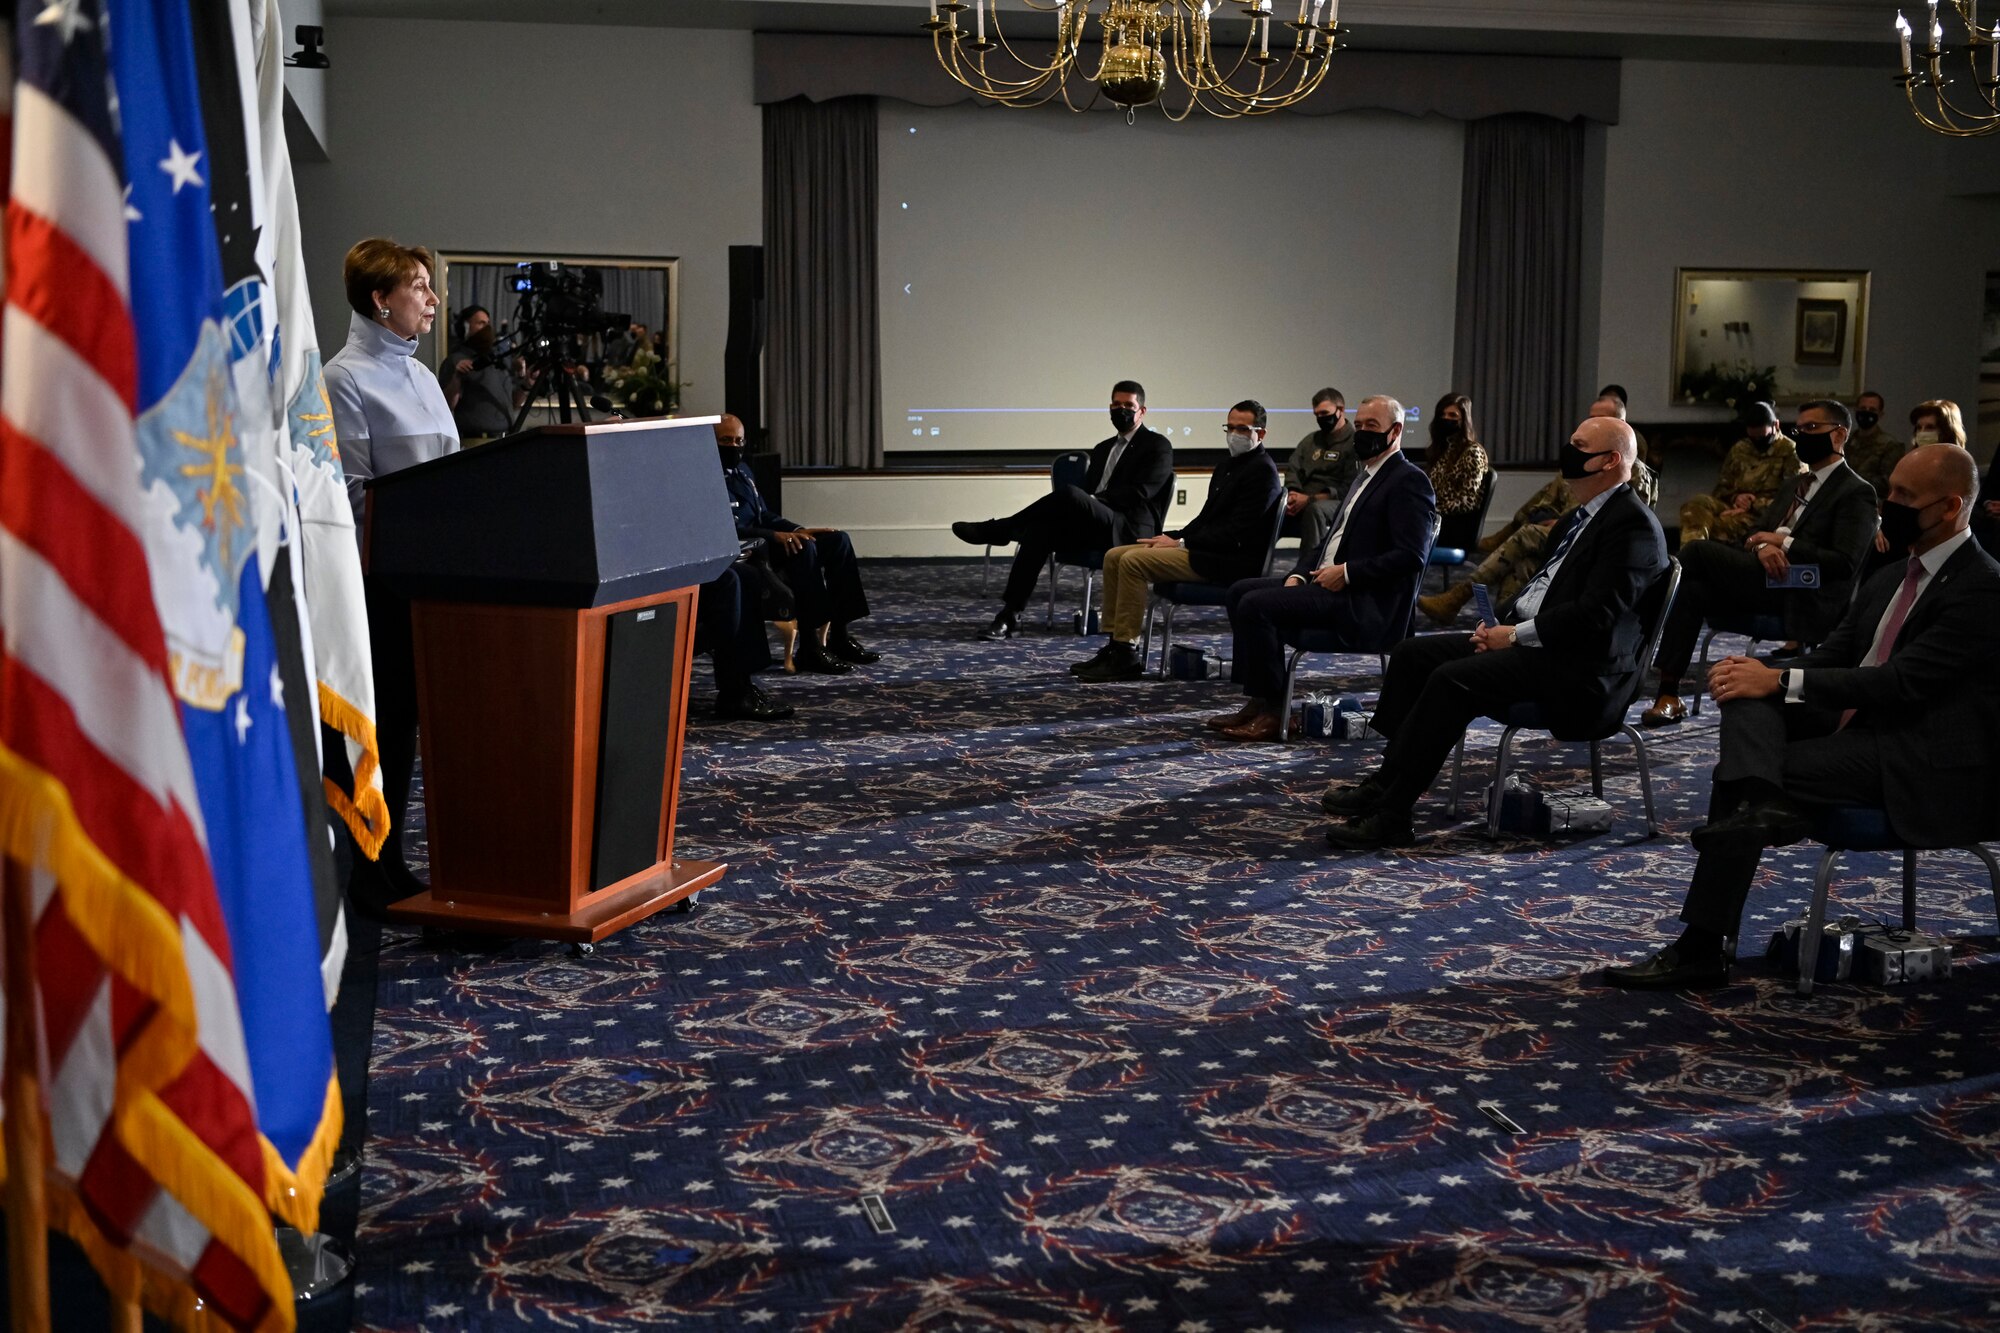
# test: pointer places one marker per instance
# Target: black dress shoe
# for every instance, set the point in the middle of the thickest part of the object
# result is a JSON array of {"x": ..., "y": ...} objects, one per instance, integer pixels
[
  {"x": 1003, "y": 627},
  {"x": 1094, "y": 660},
  {"x": 1665, "y": 970},
  {"x": 1357, "y": 799},
  {"x": 1372, "y": 831},
  {"x": 752, "y": 705},
  {"x": 1119, "y": 661},
  {"x": 979, "y": 534},
  {"x": 1753, "y": 828},
  {"x": 812, "y": 656},
  {"x": 841, "y": 644}
]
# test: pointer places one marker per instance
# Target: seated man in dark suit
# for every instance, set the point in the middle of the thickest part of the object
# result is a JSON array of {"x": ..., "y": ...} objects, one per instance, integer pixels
[
  {"x": 818, "y": 565},
  {"x": 1120, "y": 502},
  {"x": 730, "y": 630},
  {"x": 1827, "y": 520},
  {"x": 1357, "y": 580},
  {"x": 1895, "y": 710},
  {"x": 1229, "y": 539},
  {"x": 1574, "y": 642}
]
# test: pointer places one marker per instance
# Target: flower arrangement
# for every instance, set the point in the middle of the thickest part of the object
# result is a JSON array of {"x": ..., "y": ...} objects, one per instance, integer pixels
[
  {"x": 1730, "y": 386},
  {"x": 642, "y": 386}
]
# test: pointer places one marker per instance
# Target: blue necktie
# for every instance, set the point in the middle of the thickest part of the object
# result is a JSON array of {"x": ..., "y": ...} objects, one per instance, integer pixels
[{"x": 1564, "y": 537}]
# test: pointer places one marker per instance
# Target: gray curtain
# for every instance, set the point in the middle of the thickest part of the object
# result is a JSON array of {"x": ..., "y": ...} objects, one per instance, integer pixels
[
  {"x": 1520, "y": 283},
  {"x": 823, "y": 355}
]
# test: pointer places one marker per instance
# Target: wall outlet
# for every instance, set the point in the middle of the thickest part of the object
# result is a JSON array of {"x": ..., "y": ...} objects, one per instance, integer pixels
[{"x": 1180, "y": 496}]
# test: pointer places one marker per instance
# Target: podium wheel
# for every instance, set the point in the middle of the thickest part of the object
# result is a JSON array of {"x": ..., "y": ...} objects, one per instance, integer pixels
[
  {"x": 582, "y": 949},
  {"x": 686, "y": 904}
]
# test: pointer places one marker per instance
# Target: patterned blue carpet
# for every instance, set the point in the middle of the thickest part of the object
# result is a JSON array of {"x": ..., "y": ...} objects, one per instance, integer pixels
[{"x": 1077, "y": 991}]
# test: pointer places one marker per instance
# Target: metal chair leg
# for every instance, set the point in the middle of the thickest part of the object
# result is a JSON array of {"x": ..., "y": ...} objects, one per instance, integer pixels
[
  {"x": 1596, "y": 772},
  {"x": 1992, "y": 874},
  {"x": 1089, "y": 585},
  {"x": 1052, "y": 592},
  {"x": 1285, "y": 707},
  {"x": 1645, "y": 777},
  {"x": 1458, "y": 770},
  {"x": 1499, "y": 783},
  {"x": 986, "y": 569},
  {"x": 1146, "y": 634},
  {"x": 1909, "y": 888},
  {"x": 1815, "y": 922},
  {"x": 1701, "y": 670},
  {"x": 1167, "y": 634}
]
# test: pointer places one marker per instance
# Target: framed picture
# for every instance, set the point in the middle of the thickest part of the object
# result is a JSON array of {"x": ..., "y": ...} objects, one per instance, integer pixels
[{"x": 1822, "y": 332}]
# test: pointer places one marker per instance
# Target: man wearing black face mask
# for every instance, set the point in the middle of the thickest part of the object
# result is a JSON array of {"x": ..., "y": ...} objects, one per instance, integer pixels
[
  {"x": 1895, "y": 711},
  {"x": 1319, "y": 471},
  {"x": 1123, "y": 499},
  {"x": 1572, "y": 646},
  {"x": 817, "y": 563},
  {"x": 1826, "y": 520},
  {"x": 1873, "y": 452}
]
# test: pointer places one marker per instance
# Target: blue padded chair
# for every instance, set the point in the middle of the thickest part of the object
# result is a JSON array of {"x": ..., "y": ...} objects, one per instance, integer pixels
[
  {"x": 1653, "y": 608},
  {"x": 1320, "y": 640},
  {"x": 1845, "y": 828},
  {"x": 1458, "y": 537},
  {"x": 1067, "y": 470},
  {"x": 1090, "y": 562},
  {"x": 1194, "y": 593},
  {"x": 1760, "y": 629}
]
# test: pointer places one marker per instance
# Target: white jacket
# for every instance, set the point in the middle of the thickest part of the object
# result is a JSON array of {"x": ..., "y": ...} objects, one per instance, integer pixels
[{"x": 388, "y": 411}]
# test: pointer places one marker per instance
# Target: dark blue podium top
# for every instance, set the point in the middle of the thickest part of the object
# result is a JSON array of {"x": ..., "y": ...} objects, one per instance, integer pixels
[{"x": 576, "y": 516}]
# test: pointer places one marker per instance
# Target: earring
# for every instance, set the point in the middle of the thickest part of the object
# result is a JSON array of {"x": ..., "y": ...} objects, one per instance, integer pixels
[{"x": 382, "y": 312}]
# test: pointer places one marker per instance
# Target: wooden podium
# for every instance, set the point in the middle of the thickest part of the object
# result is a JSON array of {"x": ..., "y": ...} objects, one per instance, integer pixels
[{"x": 553, "y": 579}]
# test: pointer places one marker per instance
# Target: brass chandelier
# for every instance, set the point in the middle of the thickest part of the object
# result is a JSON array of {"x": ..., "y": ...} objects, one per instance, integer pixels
[
  {"x": 1941, "y": 102},
  {"x": 1141, "y": 40}
]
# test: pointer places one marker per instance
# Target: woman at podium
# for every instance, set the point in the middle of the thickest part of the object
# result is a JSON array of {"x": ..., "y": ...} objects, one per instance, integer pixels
[{"x": 389, "y": 414}]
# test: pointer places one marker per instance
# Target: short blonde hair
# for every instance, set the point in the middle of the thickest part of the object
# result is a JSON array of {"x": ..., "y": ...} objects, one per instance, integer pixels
[{"x": 378, "y": 264}]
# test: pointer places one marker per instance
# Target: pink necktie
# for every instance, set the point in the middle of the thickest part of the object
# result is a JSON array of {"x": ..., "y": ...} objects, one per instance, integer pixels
[{"x": 1899, "y": 611}]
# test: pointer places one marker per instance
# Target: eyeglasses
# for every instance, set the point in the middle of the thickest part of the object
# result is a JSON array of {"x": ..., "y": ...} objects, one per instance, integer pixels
[{"x": 1798, "y": 428}]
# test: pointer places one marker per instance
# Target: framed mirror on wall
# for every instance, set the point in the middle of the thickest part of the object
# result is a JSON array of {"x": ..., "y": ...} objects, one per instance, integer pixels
[
  {"x": 596, "y": 330},
  {"x": 1784, "y": 335}
]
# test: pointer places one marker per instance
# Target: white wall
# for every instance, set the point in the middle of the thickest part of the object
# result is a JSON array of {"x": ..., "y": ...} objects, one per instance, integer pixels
[
  {"x": 542, "y": 139},
  {"x": 1748, "y": 166}
]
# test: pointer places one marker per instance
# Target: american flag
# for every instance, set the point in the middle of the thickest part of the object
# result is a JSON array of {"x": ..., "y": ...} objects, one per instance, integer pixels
[{"x": 156, "y": 1166}]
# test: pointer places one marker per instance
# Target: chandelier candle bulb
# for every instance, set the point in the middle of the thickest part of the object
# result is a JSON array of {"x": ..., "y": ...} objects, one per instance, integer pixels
[
  {"x": 1993, "y": 54},
  {"x": 1264, "y": 39},
  {"x": 1902, "y": 35}
]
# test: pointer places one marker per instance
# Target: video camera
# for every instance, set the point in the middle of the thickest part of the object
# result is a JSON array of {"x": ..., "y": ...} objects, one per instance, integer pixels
[{"x": 559, "y": 305}]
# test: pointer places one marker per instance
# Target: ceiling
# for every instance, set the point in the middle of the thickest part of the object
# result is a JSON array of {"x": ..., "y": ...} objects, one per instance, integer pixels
[{"x": 1844, "y": 32}]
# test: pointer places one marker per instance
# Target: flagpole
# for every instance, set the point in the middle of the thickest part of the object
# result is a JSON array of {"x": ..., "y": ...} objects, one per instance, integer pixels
[{"x": 27, "y": 1198}]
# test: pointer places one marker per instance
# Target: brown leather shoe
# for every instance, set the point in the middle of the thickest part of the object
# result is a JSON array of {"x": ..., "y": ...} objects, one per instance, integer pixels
[
  {"x": 1263, "y": 727},
  {"x": 1666, "y": 711},
  {"x": 1224, "y": 721}
]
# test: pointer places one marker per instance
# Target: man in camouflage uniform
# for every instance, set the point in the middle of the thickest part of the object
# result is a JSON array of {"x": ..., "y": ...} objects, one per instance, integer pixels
[
  {"x": 1754, "y": 470},
  {"x": 1320, "y": 470},
  {"x": 1515, "y": 552},
  {"x": 1873, "y": 452}
]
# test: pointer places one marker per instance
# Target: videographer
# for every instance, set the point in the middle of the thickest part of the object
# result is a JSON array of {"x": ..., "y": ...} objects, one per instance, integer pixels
[{"x": 483, "y": 391}]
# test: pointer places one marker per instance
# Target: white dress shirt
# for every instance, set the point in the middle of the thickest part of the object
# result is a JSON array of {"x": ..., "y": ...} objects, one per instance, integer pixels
[
  {"x": 1111, "y": 463},
  {"x": 1931, "y": 561},
  {"x": 1530, "y": 600},
  {"x": 1815, "y": 478},
  {"x": 1368, "y": 471}
]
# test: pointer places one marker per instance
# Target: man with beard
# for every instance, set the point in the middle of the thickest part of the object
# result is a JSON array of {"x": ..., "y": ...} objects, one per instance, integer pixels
[
  {"x": 1122, "y": 500},
  {"x": 1894, "y": 711},
  {"x": 1827, "y": 521},
  {"x": 1754, "y": 470},
  {"x": 482, "y": 393},
  {"x": 1319, "y": 471}
]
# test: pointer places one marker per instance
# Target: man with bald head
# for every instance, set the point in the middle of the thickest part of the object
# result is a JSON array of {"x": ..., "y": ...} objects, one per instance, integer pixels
[
  {"x": 1571, "y": 641},
  {"x": 817, "y": 564},
  {"x": 1895, "y": 710}
]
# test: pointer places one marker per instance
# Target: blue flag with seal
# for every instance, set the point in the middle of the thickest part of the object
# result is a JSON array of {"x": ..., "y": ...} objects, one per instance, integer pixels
[{"x": 203, "y": 502}]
